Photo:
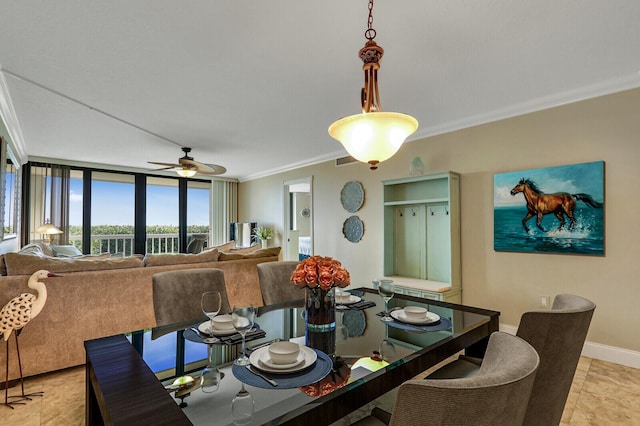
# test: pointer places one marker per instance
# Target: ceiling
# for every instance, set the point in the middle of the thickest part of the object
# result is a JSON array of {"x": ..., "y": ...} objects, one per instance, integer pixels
[{"x": 253, "y": 86}]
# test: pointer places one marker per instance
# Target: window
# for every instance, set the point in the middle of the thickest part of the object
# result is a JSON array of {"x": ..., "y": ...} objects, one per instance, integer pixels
[
  {"x": 162, "y": 215},
  {"x": 198, "y": 211},
  {"x": 112, "y": 213}
]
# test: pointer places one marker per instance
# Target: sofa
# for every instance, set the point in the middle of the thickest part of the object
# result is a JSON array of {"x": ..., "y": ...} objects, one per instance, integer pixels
[{"x": 98, "y": 296}]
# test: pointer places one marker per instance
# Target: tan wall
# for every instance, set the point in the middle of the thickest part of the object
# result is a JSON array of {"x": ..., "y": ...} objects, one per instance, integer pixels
[{"x": 606, "y": 128}]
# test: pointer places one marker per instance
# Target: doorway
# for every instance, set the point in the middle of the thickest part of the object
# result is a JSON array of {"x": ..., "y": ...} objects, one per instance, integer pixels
[{"x": 298, "y": 218}]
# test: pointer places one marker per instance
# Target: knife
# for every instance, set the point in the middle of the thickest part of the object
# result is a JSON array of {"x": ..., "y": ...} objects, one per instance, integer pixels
[{"x": 262, "y": 376}]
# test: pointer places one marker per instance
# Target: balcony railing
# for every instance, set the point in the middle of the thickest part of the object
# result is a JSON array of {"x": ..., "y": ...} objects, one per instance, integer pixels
[{"x": 124, "y": 243}]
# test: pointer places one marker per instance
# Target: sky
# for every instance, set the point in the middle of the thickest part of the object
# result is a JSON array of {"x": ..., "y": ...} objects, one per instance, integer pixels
[
  {"x": 577, "y": 178},
  {"x": 112, "y": 204}
]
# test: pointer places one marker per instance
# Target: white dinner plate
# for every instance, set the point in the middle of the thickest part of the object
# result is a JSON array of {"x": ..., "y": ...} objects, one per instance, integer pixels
[
  {"x": 400, "y": 316},
  {"x": 265, "y": 360},
  {"x": 352, "y": 299},
  {"x": 308, "y": 355},
  {"x": 205, "y": 328}
]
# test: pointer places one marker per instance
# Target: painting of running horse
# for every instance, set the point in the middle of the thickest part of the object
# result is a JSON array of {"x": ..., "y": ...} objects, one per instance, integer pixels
[{"x": 552, "y": 196}]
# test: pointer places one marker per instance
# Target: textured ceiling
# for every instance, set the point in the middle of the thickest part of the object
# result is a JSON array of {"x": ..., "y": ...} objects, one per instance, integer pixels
[{"x": 253, "y": 86}]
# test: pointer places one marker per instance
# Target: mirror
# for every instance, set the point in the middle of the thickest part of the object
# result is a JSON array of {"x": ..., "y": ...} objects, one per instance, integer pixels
[{"x": 298, "y": 220}]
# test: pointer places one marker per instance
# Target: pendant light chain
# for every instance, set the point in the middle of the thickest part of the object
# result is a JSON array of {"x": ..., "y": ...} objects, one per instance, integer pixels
[{"x": 370, "y": 33}]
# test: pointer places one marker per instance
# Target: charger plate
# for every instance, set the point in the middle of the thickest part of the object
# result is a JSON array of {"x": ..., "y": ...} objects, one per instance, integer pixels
[{"x": 314, "y": 373}]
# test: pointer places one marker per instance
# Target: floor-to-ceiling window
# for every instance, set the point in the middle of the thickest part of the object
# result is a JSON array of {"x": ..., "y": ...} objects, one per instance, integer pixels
[
  {"x": 112, "y": 213},
  {"x": 162, "y": 215},
  {"x": 199, "y": 211}
]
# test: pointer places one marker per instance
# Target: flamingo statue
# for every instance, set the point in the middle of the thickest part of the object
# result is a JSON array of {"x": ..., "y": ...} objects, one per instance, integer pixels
[{"x": 14, "y": 316}]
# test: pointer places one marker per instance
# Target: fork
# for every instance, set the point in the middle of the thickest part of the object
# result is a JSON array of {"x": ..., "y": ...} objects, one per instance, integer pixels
[{"x": 259, "y": 374}]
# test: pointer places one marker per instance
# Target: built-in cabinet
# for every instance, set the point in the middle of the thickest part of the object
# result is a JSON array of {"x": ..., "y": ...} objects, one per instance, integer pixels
[{"x": 422, "y": 235}]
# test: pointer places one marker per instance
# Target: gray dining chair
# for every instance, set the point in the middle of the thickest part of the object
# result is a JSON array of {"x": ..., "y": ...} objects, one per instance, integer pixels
[
  {"x": 275, "y": 283},
  {"x": 177, "y": 295},
  {"x": 497, "y": 395},
  {"x": 558, "y": 335}
]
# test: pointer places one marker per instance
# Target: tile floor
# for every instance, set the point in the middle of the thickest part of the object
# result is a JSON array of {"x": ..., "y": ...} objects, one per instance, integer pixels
[{"x": 602, "y": 394}]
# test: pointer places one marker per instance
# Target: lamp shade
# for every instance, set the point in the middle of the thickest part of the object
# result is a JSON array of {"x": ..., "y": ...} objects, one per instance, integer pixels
[
  {"x": 373, "y": 137},
  {"x": 186, "y": 172},
  {"x": 47, "y": 228}
]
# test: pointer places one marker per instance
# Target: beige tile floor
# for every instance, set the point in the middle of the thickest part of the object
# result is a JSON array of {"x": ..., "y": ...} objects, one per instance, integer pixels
[{"x": 602, "y": 394}]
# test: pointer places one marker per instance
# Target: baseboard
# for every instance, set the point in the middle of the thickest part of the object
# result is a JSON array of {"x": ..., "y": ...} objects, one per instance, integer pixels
[{"x": 599, "y": 351}]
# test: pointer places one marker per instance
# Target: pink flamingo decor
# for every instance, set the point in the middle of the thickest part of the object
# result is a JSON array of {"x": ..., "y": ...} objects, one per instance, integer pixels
[{"x": 13, "y": 317}]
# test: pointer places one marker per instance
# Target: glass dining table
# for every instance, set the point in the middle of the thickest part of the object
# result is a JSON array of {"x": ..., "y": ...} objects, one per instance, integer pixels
[{"x": 123, "y": 389}]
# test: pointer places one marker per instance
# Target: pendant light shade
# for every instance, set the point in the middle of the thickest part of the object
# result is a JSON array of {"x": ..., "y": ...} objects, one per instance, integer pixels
[{"x": 372, "y": 136}]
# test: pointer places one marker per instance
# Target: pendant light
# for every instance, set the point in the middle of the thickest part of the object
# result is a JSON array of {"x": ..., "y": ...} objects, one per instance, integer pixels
[{"x": 372, "y": 136}]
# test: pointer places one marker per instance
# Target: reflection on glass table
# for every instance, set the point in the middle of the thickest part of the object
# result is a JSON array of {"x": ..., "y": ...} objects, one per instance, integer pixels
[{"x": 407, "y": 353}]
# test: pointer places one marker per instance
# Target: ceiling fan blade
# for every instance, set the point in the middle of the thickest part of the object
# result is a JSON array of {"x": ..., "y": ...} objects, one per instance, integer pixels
[
  {"x": 215, "y": 170},
  {"x": 205, "y": 169},
  {"x": 164, "y": 164},
  {"x": 164, "y": 168}
]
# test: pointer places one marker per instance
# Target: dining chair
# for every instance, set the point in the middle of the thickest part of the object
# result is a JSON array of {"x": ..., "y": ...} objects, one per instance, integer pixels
[
  {"x": 558, "y": 335},
  {"x": 177, "y": 295},
  {"x": 275, "y": 283},
  {"x": 497, "y": 395}
]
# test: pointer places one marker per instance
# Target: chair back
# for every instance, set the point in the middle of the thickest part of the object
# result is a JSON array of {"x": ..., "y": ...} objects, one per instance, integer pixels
[
  {"x": 177, "y": 295},
  {"x": 275, "y": 282},
  {"x": 497, "y": 395},
  {"x": 558, "y": 335}
]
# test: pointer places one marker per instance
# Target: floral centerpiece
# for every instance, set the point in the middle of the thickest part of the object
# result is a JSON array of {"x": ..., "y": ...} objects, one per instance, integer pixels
[
  {"x": 323, "y": 272},
  {"x": 319, "y": 276}
]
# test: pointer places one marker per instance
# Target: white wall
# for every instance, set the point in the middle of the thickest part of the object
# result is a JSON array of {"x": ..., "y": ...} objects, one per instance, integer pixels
[{"x": 606, "y": 128}]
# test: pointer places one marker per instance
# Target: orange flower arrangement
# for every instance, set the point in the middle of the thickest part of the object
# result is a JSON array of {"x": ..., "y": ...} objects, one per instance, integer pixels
[{"x": 323, "y": 272}]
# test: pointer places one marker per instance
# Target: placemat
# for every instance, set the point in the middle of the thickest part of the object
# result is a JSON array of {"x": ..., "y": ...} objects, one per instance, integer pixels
[
  {"x": 443, "y": 324},
  {"x": 317, "y": 372},
  {"x": 233, "y": 339}
]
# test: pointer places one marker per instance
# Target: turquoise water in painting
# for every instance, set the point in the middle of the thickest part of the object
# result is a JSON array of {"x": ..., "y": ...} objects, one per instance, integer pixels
[{"x": 587, "y": 237}]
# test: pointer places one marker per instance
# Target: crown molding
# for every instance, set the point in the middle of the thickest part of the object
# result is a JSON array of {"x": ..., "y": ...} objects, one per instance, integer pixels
[{"x": 17, "y": 151}]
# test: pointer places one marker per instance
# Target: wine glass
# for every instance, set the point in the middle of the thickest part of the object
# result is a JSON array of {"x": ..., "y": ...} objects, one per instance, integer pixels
[
  {"x": 386, "y": 290},
  {"x": 210, "y": 376},
  {"x": 242, "y": 319},
  {"x": 211, "y": 303},
  {"x": 242, "y": 407}
]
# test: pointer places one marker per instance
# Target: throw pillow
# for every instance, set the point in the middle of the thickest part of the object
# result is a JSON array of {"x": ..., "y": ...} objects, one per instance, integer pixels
[
  {"x": 245, "y": 250},
  {"x": 180, "y": 258},
  {"x": 66, "y": 251},
  {"x": 222, "y": 247},
  {"x": 267, "y": 252}
]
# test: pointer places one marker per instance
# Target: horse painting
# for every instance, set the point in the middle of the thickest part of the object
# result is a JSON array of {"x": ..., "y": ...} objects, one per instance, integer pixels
[{"x": 560, "y": 204}]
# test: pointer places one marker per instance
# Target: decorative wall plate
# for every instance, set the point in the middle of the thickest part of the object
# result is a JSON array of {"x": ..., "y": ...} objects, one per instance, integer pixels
[
  {"x": 353, "y": 229},
  {"x": 352, "y": 196}
]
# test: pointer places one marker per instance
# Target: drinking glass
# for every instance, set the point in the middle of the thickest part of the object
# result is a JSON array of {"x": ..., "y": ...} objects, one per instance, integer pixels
[
  {"x": 211, "y": 303},
  {"x": 210, "y": 376},
  {"x": 242, "y": 407},
  {"x": 386, "y": 290},
  {"x": 242, "y": 319}
]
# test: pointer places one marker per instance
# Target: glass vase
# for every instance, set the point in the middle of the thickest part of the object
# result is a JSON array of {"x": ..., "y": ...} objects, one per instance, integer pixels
[{"x": 320, "y": 318}]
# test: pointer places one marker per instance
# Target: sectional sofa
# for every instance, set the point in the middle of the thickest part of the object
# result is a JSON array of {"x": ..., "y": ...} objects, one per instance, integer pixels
[{"x": 99, "y": 296}]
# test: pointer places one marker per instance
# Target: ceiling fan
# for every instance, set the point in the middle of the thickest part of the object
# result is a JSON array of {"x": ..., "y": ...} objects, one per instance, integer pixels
[{"x": 188, "y": 167}]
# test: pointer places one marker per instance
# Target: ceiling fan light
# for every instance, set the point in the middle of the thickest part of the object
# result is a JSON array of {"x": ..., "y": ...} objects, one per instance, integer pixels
[
  {"x": 186, "y": 172},
  {"x": 373, "y": 137}
]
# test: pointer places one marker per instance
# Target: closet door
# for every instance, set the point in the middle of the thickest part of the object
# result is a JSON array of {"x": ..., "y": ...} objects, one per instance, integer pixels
[
  {"x": 410, "y": 247},
  {"x": 438, "y": 243}
]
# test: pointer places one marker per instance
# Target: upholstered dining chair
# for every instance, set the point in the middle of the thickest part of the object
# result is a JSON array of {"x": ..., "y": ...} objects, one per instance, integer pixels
[
  {"x": 275, "y": 283},
  {"x": 497, "y": 395},
  {"x": 177, "y": 295},
  {"x": 558, "y": 335}
]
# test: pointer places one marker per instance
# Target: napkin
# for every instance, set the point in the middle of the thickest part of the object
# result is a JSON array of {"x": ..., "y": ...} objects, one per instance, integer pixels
[
  {"x": 237, "y": 338},
  {"x": 363, "y": 304}
]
